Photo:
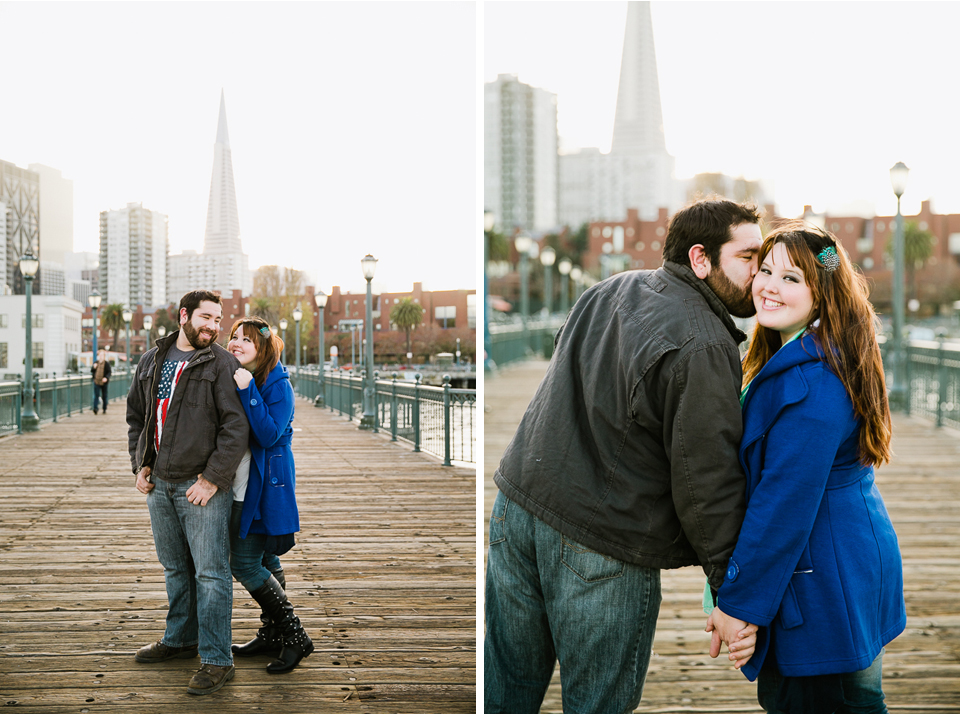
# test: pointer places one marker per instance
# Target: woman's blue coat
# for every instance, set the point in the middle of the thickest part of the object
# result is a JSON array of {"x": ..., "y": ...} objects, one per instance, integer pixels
[
  {"x": 817, "y": 563},
  {"x": 270, "y": 505}
]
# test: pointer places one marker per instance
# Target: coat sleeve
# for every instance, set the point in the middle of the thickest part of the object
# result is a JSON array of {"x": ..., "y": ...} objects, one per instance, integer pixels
[
  {"x": 702, "y": 440},
  {"x": 234, "y": 431},
  {"x": 136, "y": 414},
  {"x": 799, "y": 451},
  {"x": 270, "y": 416}
]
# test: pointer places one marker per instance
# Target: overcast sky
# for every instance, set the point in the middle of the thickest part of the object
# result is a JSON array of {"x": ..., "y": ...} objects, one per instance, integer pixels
[
  {"x": 352, "y": 125},
  {"x": 821, "y": 97}
]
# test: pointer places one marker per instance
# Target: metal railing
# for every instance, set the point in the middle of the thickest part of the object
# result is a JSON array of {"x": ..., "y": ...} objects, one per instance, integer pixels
[
  {"x": 439, "y": 420},
  {"x": 509, "y": 342},
  {"x": 56, "y": 397},
  {"x": 932, "y": 379}
]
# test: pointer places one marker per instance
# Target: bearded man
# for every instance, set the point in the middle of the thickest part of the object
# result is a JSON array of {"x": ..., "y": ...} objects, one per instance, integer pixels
[
  {"x": 625, "y": 463},
  {"x": 187, "y": 433}
]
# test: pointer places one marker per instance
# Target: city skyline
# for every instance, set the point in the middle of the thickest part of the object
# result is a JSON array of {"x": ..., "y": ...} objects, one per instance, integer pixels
[
  {"x": 342, "y": 142},
  {"x": 800, "y": 93}
]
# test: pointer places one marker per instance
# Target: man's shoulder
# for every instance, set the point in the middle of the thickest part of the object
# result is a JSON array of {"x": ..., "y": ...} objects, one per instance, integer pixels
[{"x": 223, "y": 358}]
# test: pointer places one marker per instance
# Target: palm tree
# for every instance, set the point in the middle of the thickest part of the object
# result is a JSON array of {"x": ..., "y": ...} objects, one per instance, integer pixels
[
  {"x": 263, "y": 307},
  {"x": 111, "y": 318},
  {"x": 406, "y": 315},
  {"x": 917, "y": 247}
]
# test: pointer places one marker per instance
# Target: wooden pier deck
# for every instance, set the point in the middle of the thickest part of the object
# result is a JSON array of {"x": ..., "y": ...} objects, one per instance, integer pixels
[
  {"x": 383, "y": 578},
  {"x": 921, "y": 488}
]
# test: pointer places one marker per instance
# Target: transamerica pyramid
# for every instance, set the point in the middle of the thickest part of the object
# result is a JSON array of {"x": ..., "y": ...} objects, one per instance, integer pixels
[
  {"x": 638, "y": 124},
  {"x": 222, "y": 234}
]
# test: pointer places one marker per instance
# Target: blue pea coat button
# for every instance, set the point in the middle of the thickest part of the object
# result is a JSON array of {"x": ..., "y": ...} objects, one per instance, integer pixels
[
  {"x": 253, "y": 402},
  {"x": 732, "y": 572},
  {"x": 273, "y": 480}
]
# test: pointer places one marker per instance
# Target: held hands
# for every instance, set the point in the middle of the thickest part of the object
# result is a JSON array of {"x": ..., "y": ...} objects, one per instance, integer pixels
[
  {"x": 201, "y": 492},
  {"x": 739, "y": 636},
  {"x": 144, "y": 486},
  {"x": 242, "y": 377}
]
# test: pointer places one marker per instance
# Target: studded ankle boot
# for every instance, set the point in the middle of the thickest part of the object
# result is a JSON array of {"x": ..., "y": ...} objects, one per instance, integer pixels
[
  {"x": 296, "y": 643},
  {"x": 267, "y": 641}
]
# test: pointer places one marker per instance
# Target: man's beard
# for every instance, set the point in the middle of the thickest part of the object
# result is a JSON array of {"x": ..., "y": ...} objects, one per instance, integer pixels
[
  {"x": 195, "y": 338},
  {"x": 737, "y": 300}
]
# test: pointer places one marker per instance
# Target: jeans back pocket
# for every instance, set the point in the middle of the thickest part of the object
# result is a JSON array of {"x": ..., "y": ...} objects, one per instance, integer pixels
[{"x": 587, "y": 564}]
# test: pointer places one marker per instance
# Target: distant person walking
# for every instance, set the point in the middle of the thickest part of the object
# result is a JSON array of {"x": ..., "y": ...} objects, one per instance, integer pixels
[
  {"x": 187, "y": 434},
  {"x": 101, "y": 376},
  {"x": 265, "y": 514}
]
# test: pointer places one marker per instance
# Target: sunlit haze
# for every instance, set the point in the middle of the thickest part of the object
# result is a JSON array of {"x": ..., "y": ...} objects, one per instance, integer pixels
[
  {"x": 352, "y": 125},
  {"x": 821, "y": 98}
]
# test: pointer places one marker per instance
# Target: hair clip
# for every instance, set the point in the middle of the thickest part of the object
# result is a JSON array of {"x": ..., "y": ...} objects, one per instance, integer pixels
[
  {"x": 265, "y": 331},
  {"x": 829, "y": 259}
]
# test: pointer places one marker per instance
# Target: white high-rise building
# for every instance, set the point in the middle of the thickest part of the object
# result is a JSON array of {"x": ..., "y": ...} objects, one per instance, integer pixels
[
  {"x": 133, "y": 256},
  {"x": 222, "y": 266},
  {"x": 56, "y": 214},
  {"x": 53, "y": 280},
  {"x": 20, "y": 196},
  {"x": 5, "y": 288},
  {"x": 520, "y": 154},
  {"x": 638, "y": 171}
]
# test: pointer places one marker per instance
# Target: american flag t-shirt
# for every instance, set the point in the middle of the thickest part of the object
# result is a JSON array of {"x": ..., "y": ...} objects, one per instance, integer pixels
[{"x": 169, "y": 376}]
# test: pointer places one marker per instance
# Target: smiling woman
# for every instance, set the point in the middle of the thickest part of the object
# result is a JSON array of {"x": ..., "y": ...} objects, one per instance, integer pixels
[
  {"x": 817, "y": 563},
  {"x": 783, "y": 299}
]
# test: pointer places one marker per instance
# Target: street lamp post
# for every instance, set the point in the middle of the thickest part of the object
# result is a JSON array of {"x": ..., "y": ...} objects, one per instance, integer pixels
[
  {"x": 577, "y": 275},
  {"x": 548, "y": 257},
  {"x": 283, "y": 335},
  {"x": 353, "y": 347},
  {"x": 458, "y": 352},
  {"x": 522, "y": 243},
  {"x": 564, "y": 267},
  {"x": 93, "y": 299},
  {"x": 127, "y": 316},
  {"x": 321, "y": 299},
  {"x": 148, "y": 326},
  {"x": 161, "y": 330},
  {"x": 489, "y": 219},
  {"x": 899, "y": 393},
  {"x": 297, "y": 316},
  {"x": 369, "y": 265},
  {"x": 29, "y": 420}
]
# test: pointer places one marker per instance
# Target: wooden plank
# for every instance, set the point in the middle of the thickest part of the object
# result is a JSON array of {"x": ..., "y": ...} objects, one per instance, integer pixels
[
  {"x": 921, "y": 488},
  {"x": 383, "y": 577}
]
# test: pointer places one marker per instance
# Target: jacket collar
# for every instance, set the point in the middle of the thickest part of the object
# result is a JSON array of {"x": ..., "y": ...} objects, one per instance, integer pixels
[
  {"x": 276, "y": 374},
  {"x": 165, "y": 343},
  {"x": 765, "y": 405},
  {"x": 686, "y": 274}
]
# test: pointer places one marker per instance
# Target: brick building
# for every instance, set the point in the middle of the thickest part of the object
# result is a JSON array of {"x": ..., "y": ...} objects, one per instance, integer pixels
[
  {"x": 634, "y": 244},
  {"x": 442, "y": 308}
]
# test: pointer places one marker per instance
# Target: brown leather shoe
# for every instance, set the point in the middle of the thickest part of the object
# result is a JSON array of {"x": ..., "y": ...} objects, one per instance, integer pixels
[
  {"x": 210, "y": 678},
  {"x": 159, "y": 652}
]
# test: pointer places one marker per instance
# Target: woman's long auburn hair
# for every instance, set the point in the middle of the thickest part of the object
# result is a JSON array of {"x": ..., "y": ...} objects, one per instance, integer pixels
[
  {"x": 269, "y": 346},
  {"x": 846, "y": 332}
]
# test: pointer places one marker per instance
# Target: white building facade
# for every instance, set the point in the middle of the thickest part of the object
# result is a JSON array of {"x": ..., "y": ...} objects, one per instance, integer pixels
[
  {"x": 55, "y": 336},
  {"x": 133, "y": 256},
  {"x": 56, "y": 213},
  {"x": 520, "y": 155},
  {"x": 204, "y": 271}
]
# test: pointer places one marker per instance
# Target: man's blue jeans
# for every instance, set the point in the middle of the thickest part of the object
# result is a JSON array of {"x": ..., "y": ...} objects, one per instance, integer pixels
[
  {"x": 248, "y": 563},
  {"x": 193, "y": 546},
  {"x": 99, "y": 391},
  {"x": 549, "y": 598},
  {"x": 862, "y": 691}
]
